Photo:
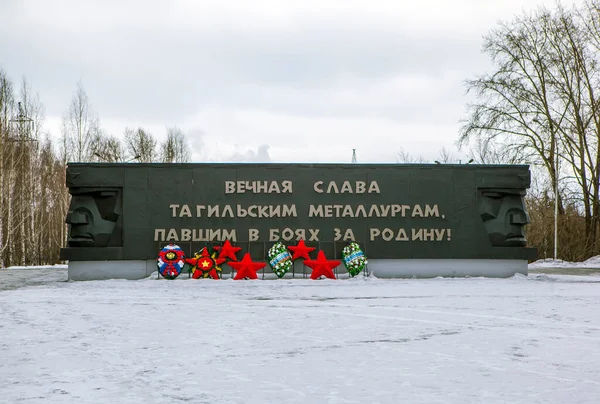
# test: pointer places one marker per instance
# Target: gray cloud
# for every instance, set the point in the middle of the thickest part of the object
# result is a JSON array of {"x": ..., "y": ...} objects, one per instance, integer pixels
[
  {"x": 196, "y": 137},
  {"x": 372, "y": 74},
  {"x": 142, "y": 71},
  {"x": 260, "y": 155}
]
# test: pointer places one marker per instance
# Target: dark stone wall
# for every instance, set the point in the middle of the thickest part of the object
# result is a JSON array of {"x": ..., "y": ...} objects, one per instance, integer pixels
[{"x": 128, "y": 212}]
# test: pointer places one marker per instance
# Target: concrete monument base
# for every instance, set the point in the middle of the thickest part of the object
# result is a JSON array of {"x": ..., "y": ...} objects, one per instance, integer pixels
[
  {"x": 101, "y": 270},
  {"x": 380, "y": 268},
  {"x": 431, "y": 268}
]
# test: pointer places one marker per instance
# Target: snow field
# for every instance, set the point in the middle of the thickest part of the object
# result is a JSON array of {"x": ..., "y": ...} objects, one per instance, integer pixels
[{"x": 521, "y": 340}]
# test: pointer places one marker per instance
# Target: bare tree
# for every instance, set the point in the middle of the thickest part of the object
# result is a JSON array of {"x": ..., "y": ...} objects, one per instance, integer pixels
[
  {"x": 108, "y": 149},
  {"x": 483, "y": 151},
  {"x": 404, "y": 157},
  {"x": 577, "y": 80},
  {"x": 27, "y": 193},
  {"x": 140, "y": 145},
  {"x": 6, "y": 163},
  {"x": 446, "y": 156},
  {"x": 541, "y": 104},
  {"x": 175, "y": 148},
  {"x": 80, "y": 126},
  {"x": 516, "y": 108}
]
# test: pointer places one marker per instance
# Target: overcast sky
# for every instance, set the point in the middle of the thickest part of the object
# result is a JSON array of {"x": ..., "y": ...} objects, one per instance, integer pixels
[{"x": 261, "y": 80}]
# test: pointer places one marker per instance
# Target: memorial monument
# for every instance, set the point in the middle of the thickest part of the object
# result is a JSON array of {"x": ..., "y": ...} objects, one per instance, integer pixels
[{"x": 411, "y": 220}]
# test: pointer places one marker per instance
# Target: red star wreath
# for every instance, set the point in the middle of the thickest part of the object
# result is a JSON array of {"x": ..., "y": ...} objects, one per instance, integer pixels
[
  {"x": 301, "y": 250},
  {"x": 322, "y": 266},
  {"x": 246, "y": 268},
  {"x": 205, "y": 266},
  {"x": 227, "y": 250}
]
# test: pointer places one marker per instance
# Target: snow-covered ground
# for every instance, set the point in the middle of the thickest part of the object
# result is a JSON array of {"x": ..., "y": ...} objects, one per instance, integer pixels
[
  {"x": 21, "y": 277},
  {"x": 593, "y": 262},
  {"x": 527, "y": 339}
]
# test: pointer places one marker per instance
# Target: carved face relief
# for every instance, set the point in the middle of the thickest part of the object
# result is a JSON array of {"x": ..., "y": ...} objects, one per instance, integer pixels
[
  {"x": 504, "y": 215},
  {"x": 93, "y": 218}
]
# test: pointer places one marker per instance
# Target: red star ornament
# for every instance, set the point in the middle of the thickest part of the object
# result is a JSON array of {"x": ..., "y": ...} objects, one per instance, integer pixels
[
  {"x": 215, "y": 272},
  {"x": 227, "y": 250},
  {"x": 193, "y": 262},
  {"x": 218, "y": 261},
  {"x": 246, "y": 268},
  {"x": 322, "y": 266},
  {"x": 301, "y": 250}
]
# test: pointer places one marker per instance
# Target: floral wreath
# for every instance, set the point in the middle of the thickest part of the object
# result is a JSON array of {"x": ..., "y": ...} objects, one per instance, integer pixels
[
  {"x": 204, "y": 265},
  {"x": 354, "y": 259},
  {"x": 280, "y": 259},
  {"x": 170, "y": 261}
]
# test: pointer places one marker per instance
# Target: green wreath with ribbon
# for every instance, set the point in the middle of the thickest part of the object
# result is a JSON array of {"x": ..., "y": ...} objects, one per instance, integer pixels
[
  {"x": 280, "y": 260},
  {"x": 354, "y": 259}
]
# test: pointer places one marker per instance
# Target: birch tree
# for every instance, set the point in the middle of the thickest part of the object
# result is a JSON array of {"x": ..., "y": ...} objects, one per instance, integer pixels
[
  {"x": 140, "y": 145},
  {"x": 175, "y": 148},
  {"x": 108, "y": 149},
  {"x": 6, "y": 103},
  {"x": 81, "y": 125}
]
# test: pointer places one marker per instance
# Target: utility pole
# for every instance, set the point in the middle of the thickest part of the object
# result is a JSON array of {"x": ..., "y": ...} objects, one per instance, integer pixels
[
  {"x": 353, "y": 156},
  {"x": 556, "y": 200},
  {"x": 23, "y": 127}
]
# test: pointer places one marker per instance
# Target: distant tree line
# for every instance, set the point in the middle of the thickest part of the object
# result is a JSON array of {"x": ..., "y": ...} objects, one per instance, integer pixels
[{"x": 33, "y": 196}]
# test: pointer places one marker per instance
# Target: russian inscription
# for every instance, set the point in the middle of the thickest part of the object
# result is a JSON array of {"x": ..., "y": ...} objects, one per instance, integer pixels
[{"x": 325, "y": 211}]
